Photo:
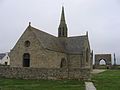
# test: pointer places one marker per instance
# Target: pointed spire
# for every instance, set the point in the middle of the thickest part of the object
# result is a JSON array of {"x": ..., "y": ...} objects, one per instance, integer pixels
[
  {"x": 62, "y": 29},
  {"x": 62, "y": 15}
]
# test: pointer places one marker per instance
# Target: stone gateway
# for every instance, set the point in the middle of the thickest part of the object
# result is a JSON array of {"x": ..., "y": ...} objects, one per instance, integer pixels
[
  {"x": 105, "y": 57},
  {"x": 38, "y": 49}
]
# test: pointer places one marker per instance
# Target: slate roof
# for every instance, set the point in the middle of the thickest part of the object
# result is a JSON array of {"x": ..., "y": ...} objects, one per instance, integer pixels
[
  {"x": 71, "y": 44},
  {"x": 75, "y": 44},
  {"x": 48, "y": 41},
  {"x": 2, "y": 55}
]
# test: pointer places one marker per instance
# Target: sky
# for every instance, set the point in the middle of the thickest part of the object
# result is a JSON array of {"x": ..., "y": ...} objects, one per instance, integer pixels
[{"x": 101, "y": 18}]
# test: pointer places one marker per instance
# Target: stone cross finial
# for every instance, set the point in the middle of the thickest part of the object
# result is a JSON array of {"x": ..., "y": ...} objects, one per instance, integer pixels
[{"x": 29, "y": 23}]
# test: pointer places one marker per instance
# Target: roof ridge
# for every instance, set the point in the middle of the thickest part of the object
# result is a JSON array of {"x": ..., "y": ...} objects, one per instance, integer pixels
[
  {"x": 77, "y": 36},
  {"x": 42, "y": 31}
]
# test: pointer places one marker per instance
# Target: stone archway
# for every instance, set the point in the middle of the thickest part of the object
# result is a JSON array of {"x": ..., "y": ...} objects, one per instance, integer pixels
[
  {"x": 105, "y": 57},
  {"x": 102, "y": 62}
]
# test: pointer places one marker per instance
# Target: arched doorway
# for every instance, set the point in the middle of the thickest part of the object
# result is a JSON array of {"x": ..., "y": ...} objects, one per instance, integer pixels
[
  {"x": 63, "y": 63},
  {"x": 26, "y": 60},
  {"x": 102, "y": 62}
]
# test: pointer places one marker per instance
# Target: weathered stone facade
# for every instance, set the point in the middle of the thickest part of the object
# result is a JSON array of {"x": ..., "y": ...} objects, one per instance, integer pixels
[{"x": 37, "y": 49}]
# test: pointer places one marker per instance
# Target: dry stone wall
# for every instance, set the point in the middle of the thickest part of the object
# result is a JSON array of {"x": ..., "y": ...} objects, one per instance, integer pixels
[{"x": 42, "y": 73}]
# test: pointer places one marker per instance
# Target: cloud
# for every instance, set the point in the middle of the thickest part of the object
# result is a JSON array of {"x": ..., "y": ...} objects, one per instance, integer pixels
[{"x": 2, "y": 1}]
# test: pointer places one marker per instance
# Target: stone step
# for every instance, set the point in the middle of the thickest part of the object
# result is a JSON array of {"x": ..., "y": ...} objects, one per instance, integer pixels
[{"x": 89, "y": 86}]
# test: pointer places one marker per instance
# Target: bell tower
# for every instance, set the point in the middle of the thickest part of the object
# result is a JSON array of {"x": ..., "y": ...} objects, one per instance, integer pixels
[{"x": 62, "y": 29}]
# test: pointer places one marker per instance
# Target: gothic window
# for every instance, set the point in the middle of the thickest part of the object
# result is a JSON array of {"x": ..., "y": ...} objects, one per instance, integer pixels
[
  {"x": 63, "y": 63},
  {"x": 26, "y": 60},
  {"x": 27, "y": 43}
]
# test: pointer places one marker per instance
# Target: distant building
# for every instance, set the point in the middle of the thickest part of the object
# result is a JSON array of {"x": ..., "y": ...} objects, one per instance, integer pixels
[
  {"x": 38, "y": 49},
  {"x": 4, "y": 59}
]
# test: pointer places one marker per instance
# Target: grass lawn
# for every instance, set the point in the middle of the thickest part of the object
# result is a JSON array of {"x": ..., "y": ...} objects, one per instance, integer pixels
[
  {"x": 18, "y": 84},
  {"x": 108, "y": 80}
]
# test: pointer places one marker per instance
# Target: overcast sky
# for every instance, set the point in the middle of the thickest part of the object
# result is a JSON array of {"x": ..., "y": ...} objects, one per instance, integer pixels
[{"x": 101, "y": 18}]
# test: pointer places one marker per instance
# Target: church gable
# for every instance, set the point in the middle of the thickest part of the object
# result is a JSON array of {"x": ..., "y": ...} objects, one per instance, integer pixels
[
  {"x": 28, "y": 39},
  {"x": 28, "y": 44}
]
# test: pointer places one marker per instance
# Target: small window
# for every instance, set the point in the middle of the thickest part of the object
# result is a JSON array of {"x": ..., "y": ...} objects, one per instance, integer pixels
[
  {"x": 63, "y": 63},
  {"x": 27, "y": 43}
]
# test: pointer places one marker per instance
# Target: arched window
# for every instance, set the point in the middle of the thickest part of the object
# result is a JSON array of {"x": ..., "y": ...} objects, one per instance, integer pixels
[
  {"x": 63, "y": 63},
  {"x": 26, "y": 60}
]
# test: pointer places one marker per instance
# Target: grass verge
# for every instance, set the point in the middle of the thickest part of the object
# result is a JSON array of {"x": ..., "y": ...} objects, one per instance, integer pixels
[{"x": 18, "y": 84}]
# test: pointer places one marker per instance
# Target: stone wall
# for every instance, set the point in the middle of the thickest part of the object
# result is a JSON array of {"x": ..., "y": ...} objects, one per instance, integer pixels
[
  {"x": 42, "y": 73},
  {"x": 75, "y": 61}
]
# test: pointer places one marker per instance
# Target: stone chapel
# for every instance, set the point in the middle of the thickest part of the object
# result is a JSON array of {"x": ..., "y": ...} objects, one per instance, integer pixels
[{"x": 38, "y": 49}]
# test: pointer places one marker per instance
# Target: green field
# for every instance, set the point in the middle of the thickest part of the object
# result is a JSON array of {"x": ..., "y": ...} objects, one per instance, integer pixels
[
  {"x": 18, "y": 84},
  {"x": 108, "y": 80}
]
